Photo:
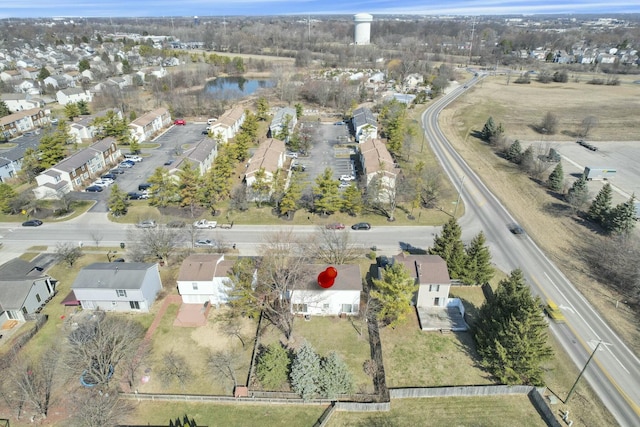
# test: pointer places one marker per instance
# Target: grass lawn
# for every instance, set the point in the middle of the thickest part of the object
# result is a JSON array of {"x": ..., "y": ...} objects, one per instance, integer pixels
[
  {"x": 328, "y": 334},
  {"x": 212, "y": 414},
  {"x": 501, "y": 411},
  {"x": 413, "y": 358},
  {"x": 195, "y": 344}
]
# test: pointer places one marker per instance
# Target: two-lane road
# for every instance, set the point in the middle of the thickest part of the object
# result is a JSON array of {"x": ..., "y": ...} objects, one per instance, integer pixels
[{"x": 614, "y": 372}]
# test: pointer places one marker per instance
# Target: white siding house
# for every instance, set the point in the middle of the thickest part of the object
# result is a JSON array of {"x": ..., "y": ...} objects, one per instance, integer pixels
[
  {"x": 202, "y": 278},
  {"x": 73, "y": 95},
  {"x": 24, "y": 290},
  {"x": 365, "y": 126},
  {"x": 118, "y": 286},
  {"x": 341, "y": 298}
]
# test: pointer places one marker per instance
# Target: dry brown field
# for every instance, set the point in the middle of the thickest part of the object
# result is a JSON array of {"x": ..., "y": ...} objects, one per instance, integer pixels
[{"x": 519, "y": 108}]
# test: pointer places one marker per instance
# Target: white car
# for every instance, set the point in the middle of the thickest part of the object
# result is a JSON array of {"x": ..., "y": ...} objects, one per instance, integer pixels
[
  {"x": 292, "y": 155},
  {"x": 133, "y": 158},
  {"x": 347, "y": 177},
  {"x": 125, "y": 165},
  {"x": 102, "y": 183},
  {"x": 205, "y": 243}
]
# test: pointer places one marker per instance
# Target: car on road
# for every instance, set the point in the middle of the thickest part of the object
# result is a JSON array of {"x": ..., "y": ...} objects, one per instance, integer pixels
[
  {"x": 554, "y": 313},
  {"x": 361, "y": 226},
  {"x": 168, "y": 162},
  {"x": 118, "y": 260},
  {"x": 94, "y": 189},
  {"x": 205, "y": 223},
  {"x": 335, "y": 226},
  {"x": 147, "y": 223},
  {"x": 347, "y": 177},
  {"x": 32, "y": 223},
  {"x": 205, "y": 243},
  {"x": 180, "y": 122},
  {"x": 339, "y": 123},
  {"x": 516, "y": 229}
]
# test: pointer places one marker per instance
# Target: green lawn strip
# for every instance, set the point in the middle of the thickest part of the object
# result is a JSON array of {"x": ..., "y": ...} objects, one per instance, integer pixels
[
  {"x": 494, "y": 411},
  {"x": 228, "y": 415}
]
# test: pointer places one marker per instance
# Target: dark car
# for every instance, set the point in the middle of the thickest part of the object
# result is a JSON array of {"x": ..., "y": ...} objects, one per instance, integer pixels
[
  {"x": 32, "y": 223},
  {"x": 168, "y": 162},
  {"x": 134, "y": 196},
  {"x": 118, "y": 260},
  {"x": 361, "y": 226},
  {"x": 144, "y": 186},
  {"x": 516, "y": 229},
  {"x": 94, "y": 189},
  {"x": 110, "y": 176},
  {"x": 116, "y": 171}
]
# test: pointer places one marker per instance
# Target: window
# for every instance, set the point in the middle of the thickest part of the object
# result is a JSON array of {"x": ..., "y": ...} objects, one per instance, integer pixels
[
  {"x": 195, "y": 286},
  {"x": 300, "y": 308},
  {"x": 24, "y": 310},
  {"x": 135, "y": 305},
  {"x": 325, "y": 307},
  {"x": 38, "y": 298},
  {"x": 349, "y": 308},
  {"x": 121, "y": 293},
  {"x": 433, "y": 288}
]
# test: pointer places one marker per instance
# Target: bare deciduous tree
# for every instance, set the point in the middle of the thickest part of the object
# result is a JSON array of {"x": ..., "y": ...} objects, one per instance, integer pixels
[
  {"x": 225, "y": 363},
  {"x": 549, "y": 124},
  {"x": 587, "y": 125},
  {"x": 34, "y": 380},
  {"x": 147, "y": 244},
  {"x": 97, "y": 347},
  {"x": 68, "y": 252},
  {"x": 614, "y": 261},
  {"x": 175, "y": 368},
  {"x": 98, "y": 408},
  {"x": 334, "y": 246},
  {"x": 96, "y": 237}
]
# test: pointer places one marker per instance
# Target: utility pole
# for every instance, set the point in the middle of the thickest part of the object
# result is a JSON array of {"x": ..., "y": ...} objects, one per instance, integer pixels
[{"x": 573, "y": 387}]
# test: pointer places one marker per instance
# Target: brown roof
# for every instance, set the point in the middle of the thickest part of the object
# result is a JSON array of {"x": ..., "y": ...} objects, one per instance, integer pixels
[
  {"x": 348, "y": 278},
  {"x": 232, "y": 116},
  {"x": 149, "y": 117},
  {"x": 199, "y": 267},
  {"x": 266, "y": 156},
  {"x": 376, "y": 156},
  {"x": 426, "y": 269}
]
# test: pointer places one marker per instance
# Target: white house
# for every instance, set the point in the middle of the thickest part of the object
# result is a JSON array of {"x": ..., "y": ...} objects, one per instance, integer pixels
[
  {"x": 149, "y": 125},
  {"x": 269, "y": 156},
  {"x": 118, "y": 286},
  {"x": 73, "y": 95},
  {"x": 365, "y": 125},
  {"x": 284, "y": 117},
  {"x": 24, "y": 290},
  {"x": 202, "y": 279},
  {"x": 341, "y": 298},
  {"x": 376, "y": 163},
  {"x": 228, "y": 124},
  {"x": 22, "y": 121},
  {"x": 200, "y": 156}
]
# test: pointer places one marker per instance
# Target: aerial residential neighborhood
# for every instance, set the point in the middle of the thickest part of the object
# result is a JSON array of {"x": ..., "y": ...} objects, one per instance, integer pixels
[{"x": 319, "y": 219}]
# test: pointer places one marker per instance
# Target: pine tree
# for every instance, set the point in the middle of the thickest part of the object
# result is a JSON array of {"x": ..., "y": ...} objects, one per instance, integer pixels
[
  {"x": 479, "y": 269},
  {"x": 289, "y": 203},
  {"x": 30, "y": 167},
  {"x": 190, "y": 187},
  {"x": 6, "y": 195},
  {"x": 514, "y": 154},
  {"x": 489, "y": 130},
  {"x": 450, "y": 247},
  {"x": 262, "y": 108},
  {"x": 164, "y": 188},
  {"x": 394, "y": 291},
  {"x": 305, "y": 372},
  {"x": 240, "y": 289},
  {"x": 527, "y": 161},
  {"x": 71, "y": 110},
  {"x": 511, "y": 334},
  {"x": 52, "y": 147},
  {"x": 335, "y": 377},
  {"x": 600, "y": 208},
  {"x": 351, "y": 200},
  {"x": 117, "y": 203},
  {"x": 327, "y": 196},
  {"x": 578, "y": 194},
  {"x": 622, "y": 219},
  {"x": 556, "y": 178},
  {"x": 272, "y": 368},
  {"x": 4, "y": 109},
  {"x": 260, "y": 187},
  {"x": 43, "y": 74}
]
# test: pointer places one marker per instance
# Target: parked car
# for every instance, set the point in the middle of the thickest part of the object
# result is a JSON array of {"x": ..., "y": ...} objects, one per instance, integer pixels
[
  {"x": 116, "y": 171},
  {"x": 118, "y": 260},
  {"x": 144, "y": 186},
  {"x": 212, "y": 121},
  {"x": 136, "y": 196},
  {"x": 133, "y": 158},
  {"x": 361, "y": 226},
  {"x": 180, "y": 122},
  {"x": 347, "y": 177},
  {"x": 168, "y": 162},
  {"x": 147, "y": 223},
  {"x": 335, "y": 226},
  {"x": 94, "y": 189},
  {"x": 206, "y": 131},
  {"x": 176, "y": 224},
  {"x": 126, "y": 164},
  {"x": 108, "y": 176},
  {"x": 298, "y": 168},
  {"x": 205, "y": 223},
  {"x": 205, "y": 243},
  {"x": 292, "y": 154},
  {"x": 344, "y": 184},
  {"x": 101, "y": 183},
  {"x": 32, "y": 223}
]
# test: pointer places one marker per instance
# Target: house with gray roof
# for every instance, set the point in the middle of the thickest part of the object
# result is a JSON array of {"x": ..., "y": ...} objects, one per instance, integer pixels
[
  {"x": 11, "y": 160},
  {"x": 73, "y": 95},
  {"x": 365, "y": 125},
  {"x": 24, "y": 290},
  {"x": 118, "y": 286},
  {"x": 200, "y": 156},
  {"x": 284, "y": 117}
]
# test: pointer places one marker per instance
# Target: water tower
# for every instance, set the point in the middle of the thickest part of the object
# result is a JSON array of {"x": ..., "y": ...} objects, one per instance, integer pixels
[{"x": 363, "y": 28}]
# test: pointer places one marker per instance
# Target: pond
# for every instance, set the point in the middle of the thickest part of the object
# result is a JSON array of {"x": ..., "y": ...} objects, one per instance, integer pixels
[{"x": 231, "y": 88}]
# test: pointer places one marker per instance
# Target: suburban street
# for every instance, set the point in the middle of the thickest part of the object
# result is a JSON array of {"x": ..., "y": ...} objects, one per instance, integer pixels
[{"x": 614, "y": 372}]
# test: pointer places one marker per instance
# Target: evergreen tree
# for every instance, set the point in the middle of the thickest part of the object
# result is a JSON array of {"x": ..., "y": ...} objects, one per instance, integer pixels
[
  {"x": 250, "y": 125},
  {"x": 71, "y": 111},
  {"x": 514, "y": 154},
  {"x": 52, "y": 146},
  {"x": 601, "y": 206},
  {"x": 450, "y": 247},
  {"x": 260, "y": 187},
  {"x": 479, "y": 269},
  {"x": 511, "y": 334},
  {"x": 289, "y": 202},
  {"x": 556, "y": 178},
  {"x": 262, "y": 108},
  {"x": 241, "y": 144},
  {"x": 83, "y": 107},
  {"x": 622, "y": 219},
  {"x": 134, "y": 146},
  {"x": 352, "y": 200},
  {"x": 335, "y": 377},
  {"x": 83, "y": 65},
  {"x": 527, "y": 161},
  {"x": 394, "y": 291},
  {"x": 117, "y": 203},
  {"x": 578, "y": 194},
  {"x": 43, "y": 74},
  {"x": 272, "y": 368},
  {"x": 4, "y": 109},
  {"x": 164, "y": 188},
  {"x": 30, "y": 167},
  {"x": 126, "y": 67},
  {"x": 112, "y": 125},
  {"x": 299, "y": 110},
  {"x": 305, "y": 372},
  {"x": 327, "y": 195},
  {"x": 240, "y": 291},
  {"x": 489, "y": 130},
  {"x": 6, "y": 196},
  {"x": 190, "y": 187}
]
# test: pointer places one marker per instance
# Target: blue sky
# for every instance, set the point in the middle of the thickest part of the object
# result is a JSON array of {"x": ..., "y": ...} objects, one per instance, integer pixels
[{"x": 142, "y": 8}]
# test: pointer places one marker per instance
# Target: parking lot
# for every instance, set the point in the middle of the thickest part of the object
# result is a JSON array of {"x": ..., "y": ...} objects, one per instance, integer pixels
[{"x": 170, "y": 145}]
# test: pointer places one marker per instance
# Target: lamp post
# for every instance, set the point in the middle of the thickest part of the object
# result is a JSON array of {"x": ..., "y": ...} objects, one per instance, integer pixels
[
  {"x": 455, "y": 211},
  {"x": 582, "y": 372}
]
